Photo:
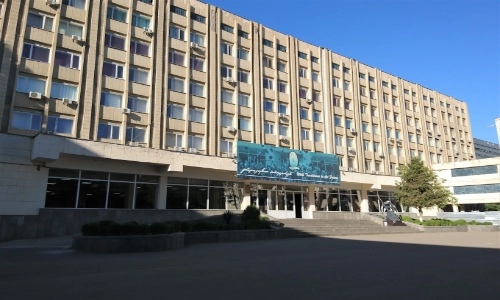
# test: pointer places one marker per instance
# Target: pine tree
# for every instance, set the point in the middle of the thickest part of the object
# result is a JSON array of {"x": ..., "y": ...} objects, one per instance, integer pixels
[{"x": 421, "y": 188}]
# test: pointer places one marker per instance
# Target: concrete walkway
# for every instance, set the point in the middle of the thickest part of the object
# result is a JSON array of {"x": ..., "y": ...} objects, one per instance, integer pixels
[
  {"x": 397, "y": 266},
  {"x": 47, "y": 242}
]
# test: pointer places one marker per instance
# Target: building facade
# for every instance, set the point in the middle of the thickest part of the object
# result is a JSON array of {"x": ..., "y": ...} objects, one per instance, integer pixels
[
  {"x": 485, "y": 149},
  {"x": 141, "y": 104}
]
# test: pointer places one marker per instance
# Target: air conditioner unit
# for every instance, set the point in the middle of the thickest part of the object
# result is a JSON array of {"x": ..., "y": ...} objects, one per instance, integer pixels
[
  {"x": 193, "y": 45},
  {"x": 134, "y": 144},
  {"x": 469, "y": 141},
  {"x": 281, "y": 115},
  {"x": 457, "y": 153},
  {"x": 282, "y": 138},
  {"x": 51, "y": 2},
  {"x": 229, "y": 79},
  {"x": 148, "y": 30},
  {"x": 231, "y": 129},
  {"x": 68, "y": 101},
  {"x": 126, "y": 110},
  {"x": 471, "y": 155},
  {"x": 352, "y": 170},
  {"x": 381, "y": 155},
  {"x": 440, "y": 149},
  {"x": 453, "y": 138},
  {"x": 429, "y": 132},
  {"x": 309, "y": 100},
  {"x": 35, "y": 95},
  {"x": 178, "y": 149},
  {"x": 438, "y": 133},
  {"x": 353, "y": 130},
  {"x": 399, "y": 140},
  {"x": 192, "y": 150},
  {"x": 351, "y": 153},
  {"x": 76, "y": 38},
  {"x": 418, "y": 128},
  {"x": 462, "y": 140},
  {"x": 351, "y": 149},
  {"x": 231, "y": 155},
  {"x": 392, "y": 140}
]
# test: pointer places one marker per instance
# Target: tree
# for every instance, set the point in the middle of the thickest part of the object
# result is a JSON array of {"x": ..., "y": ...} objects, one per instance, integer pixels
[{"x": 421, "y": 188}]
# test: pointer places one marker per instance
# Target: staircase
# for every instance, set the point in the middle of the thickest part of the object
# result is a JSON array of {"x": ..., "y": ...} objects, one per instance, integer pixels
[{"x": 337, "y": 227}]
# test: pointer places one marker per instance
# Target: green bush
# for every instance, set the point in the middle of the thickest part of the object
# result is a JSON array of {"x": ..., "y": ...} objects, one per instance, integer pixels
[
  {"x": 250, "y": 213},
  {"x": 91, "y": 229},
  {"x": 408, "y": 219},
  {"x": 227, "y": 216},
  {"x": 160, "y": 228},
  {"x": 264, "y": 218},
  {"x": 460, "y": 222}
]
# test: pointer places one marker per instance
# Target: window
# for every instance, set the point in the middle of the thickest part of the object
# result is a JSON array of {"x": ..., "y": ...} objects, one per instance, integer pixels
[
  {"x": 336, "y": 82},
  {"x": 398, "y": 134},
  {"x": 242, "y": 34},
  {"x": 268, "y": 128},
  {"x": 387, "y": 115},
  {"x": 242, "y": 76},
  {"x": 315, "y": 76},
  {"x": 61, "y": 90},
  {"x": 114, "y": 41},
  {"x": 197, "y": 63},
  {"x": 302, "y": 72},
  {"x": 371, "y": 78},
  {"x": 117, "y": 14},
  {"x": 411, "y": 138},
  {"x": 373, "y": 94},
  {"x": 316, "y": 116},
  {"x": 337, "y": 120},
  {"x": 407, "y": 105},
  {"x": 388, "y": 132},
  {"x": 302, "y": 93},
  {"x": 335, "y": 66},
  {"x": 338, "y": 140},
  {"x": 174, "y": 140},
  {"x": 304, "y": 114},
  {"x": 283, "y": 130},
  {"x": 363, "y": 109},
  {"x": 433, "y": 112},
  {"x": 139, "y": 48},
  {"x": 413, "y": 94},
  {"x": 267, "y": 62},
  {"x": 395, "y": 101},
  {"x": 385, "y": 84},
  {"x": 283, "y": 108},
  {"x": 412, "y": 153},
  {"x": 302, "y": 55},
  {"x": 441, "y": 103},
  {"x": 407, "y": 92},
  {"x": 26, "y": 120},
  {"x": 400, "y": 152},
  {"x": 375, "y": 129},
  {"x": 267, "y": 43},
  {"x": 282, "y": 87},
  {"x": 432, "y": 100},
  {"x": 35, "y": 52},
  {"x": 139, "y": 76},
  {"x": 60, "y": 125},
  {"x": 70, "y": 28},
  {"x": 430, "y": 141},
  {"x": 386, "y": 98},
  {"x": 226, "y": 48},
  {"x": 415, "y": 107},
  {"x": 178, "y": 10},
  {"x": 196, "y": 115},
  {"x": 198, "y": 39},
  {"x": 175, "y": 111},
  {"x": 197, "y": 89},
  {"x": 268, "y": 106},
  {"x": 409, "y": 121},
  {"x": 463, "y": 111},
  {"x": 390, "y": 149},
  {"x": 282, "y": 66},
  {"x": 346, "y": 85},
  {"x": 362, "y": 90},
  {"x": 336, "y": 102},
  {"x": 242, "y": 54},
  {"x": 373, "y": 111},
  {"x": 111, "y": 99},
  {"x": 30, "y": 84},
  {"x": 176, "y": 33},
  {"x": 226, "y": 146},
  {"x": 348, "y": 123},
  {"x": 176, "y": 84},
  {"x": 198, "y": 18},
  {"x": 226, "y": 71},
  {"x": 347, "y": 70},
  {"x": 244, "y": 124},
  {"x": 304, "y": 134},
  {"x": 268, "y": 83},
  {"x": 243, "y": 100},
  {"x": 365, "y": 127},
  {"x": 112, "y": 70},
  {"x": 227, "y": 96},
  {"x": 314, "y": 59},
  {"x": 135, "y": 134},
  {"x": 195, "y": 142},
  {"x": 137, "y": 104},
  {"x": 66, "y": 59},
  {"x": 281, "y": 48},
  {"x": 366, "y": 145},
  {"x": 376, "y": 147},
  {"x": 362, "y": 76},
  {"x": 142, "y": 21},
  {"x": 347, "y": 104},
  {"x": 226, "y": 120},
  {"x": 350, "y": 142},
  {"x": 316, "y": 96},
  {"x": 318, "y": 136},
  {"x": 393, "y": 87},
  {"x": 40, "y": 21}
]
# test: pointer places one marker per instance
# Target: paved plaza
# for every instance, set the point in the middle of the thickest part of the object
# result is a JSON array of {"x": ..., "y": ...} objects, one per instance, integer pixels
[{"x": 398, "y": 266}]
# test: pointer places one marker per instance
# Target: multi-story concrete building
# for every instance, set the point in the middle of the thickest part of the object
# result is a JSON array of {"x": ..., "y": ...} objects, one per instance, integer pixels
[
  {"x": 141, "y": 104},
  {"x": 485, "y": 149}
]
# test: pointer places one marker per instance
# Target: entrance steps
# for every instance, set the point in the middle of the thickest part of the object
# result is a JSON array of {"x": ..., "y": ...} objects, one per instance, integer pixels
[{"x": 338, "y": 227}]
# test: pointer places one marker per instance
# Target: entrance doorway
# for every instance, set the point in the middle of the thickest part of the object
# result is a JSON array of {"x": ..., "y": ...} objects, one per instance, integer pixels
[{"x": 298, "y": 204}]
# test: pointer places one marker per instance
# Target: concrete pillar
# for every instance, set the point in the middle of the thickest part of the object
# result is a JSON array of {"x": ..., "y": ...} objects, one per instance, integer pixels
[
  {"x": 310, "y": 197},
  {"x": 365, "y": 205},
  {"x": 455, "y": 208},
  {"x": 161, "y": 202}
]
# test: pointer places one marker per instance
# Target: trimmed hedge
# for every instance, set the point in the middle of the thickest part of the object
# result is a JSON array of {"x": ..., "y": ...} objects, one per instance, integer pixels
[
  {"x": 442, "y": 222},
  {"x": 110, "y": 228}
]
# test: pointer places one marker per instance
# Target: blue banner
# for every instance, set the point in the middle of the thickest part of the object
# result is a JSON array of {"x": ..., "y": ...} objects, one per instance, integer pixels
[{"x": 263, "y": 162}]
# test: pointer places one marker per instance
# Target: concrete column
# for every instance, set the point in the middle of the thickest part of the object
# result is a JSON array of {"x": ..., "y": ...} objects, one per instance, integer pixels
[
  {"x": 161, "y": 202},
  {"x": 310, "y": 197},
  {"x": 365, "y": 205},
  {"x": 455, "y": 208}
]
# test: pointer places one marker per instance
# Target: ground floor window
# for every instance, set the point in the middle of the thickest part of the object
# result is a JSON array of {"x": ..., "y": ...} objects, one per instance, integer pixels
[
  {"x": 333, "y": 199},
  {"x": 192, "y": 193},
  {"x": 377, "y": 198},
  {"x": 91, "y": 189}
]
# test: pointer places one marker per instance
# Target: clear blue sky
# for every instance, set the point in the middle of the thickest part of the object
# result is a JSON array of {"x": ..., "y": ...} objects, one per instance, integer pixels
[{"x": 451, "y": 46}]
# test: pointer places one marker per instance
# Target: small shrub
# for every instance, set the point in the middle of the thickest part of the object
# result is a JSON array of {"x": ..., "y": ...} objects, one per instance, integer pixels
[
  {"x": 264, "y": 218},
  {"x": 91, "y": 229},
  {"x": 186, "y": 227},
  {"x": 250, "y": 213},
  {"x": 113, "y": 229},
  {"x": 227, "y": 216},
  {"x": 160, "y": 228},
  {"x": 460, "y": 222}
]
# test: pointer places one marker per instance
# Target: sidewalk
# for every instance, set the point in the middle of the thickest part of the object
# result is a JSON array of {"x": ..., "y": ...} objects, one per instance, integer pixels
[{"x": 63, "y": 242}]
